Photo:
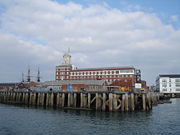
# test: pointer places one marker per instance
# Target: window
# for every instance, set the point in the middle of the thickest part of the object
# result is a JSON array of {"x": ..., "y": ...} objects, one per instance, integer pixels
[
  {"x": 164, "y": 80},
  {"x": 164, "y": 85},
  {"x": 177, "y": 84},
  {"x": 178, "y": 89},
  {"x": 164, "y": 90},
  {"x": 177, "y": 80}
]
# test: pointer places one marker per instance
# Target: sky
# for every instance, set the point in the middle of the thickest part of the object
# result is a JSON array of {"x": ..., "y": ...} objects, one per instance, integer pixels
[{"x": 108, "y": 33}]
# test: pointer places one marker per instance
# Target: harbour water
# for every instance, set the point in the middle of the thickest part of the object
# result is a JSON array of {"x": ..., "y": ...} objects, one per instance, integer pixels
[{"x": 163, "y": 119}]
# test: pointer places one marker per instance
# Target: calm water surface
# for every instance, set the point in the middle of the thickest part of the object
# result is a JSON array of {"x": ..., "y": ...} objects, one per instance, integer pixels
[{"x": 164, "y": 119}]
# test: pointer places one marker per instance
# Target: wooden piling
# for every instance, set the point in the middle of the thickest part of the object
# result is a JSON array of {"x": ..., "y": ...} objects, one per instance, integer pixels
[
  {"x": 123, "y": 102},
  {"x": 97, "y": 101},
  {"x": 47, "y": 99},
  {"x": 126, "y": 102},
  {"x": 63, "y": 100},
  {"x": 74, "y": 100},
  {"x": 144, "y": 102},
  {"x": 82, "y": 100},
  {"x": 114, "y": 102},
  {"x": 132, "y": 101},
  {"x": 89, "y": 100},
  {"x": 58, "y": 100},
  {"x": 69, "y": 99},
  {"x": 104, "y": 102},
  {"x": 52, "y": 100},
  {"x": 110, "y": 102}
]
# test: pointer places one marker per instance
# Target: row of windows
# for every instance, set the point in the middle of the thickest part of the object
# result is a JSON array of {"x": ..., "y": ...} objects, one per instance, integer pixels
[
  {"x": 166, "y": 80},
  {"x": 103, "y": 76},
  {"x": 101, "y": 72},
  {"x": 80, "y": 78},
  {"x": 170, "y": 90},
  {"x": 109, "y": 80},
  {"x": 63, "y": 69},
  {"x": 165, "y": 85}
]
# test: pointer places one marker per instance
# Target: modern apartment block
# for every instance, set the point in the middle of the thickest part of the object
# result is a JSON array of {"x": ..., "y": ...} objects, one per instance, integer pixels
[
  {"x": 169, "y": 83},
  {"x": 121, "y": 76}
]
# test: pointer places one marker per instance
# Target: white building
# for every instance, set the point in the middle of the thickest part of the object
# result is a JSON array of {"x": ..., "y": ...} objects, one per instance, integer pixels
[{"x": 169, "y": 83}]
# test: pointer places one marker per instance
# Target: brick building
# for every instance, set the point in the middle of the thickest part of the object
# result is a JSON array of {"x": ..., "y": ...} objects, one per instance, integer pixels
[{"x": 114, "y": 76}]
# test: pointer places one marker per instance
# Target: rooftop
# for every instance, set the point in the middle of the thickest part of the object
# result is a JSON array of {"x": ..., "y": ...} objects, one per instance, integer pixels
[
  {"x": 170, "y": 75},
  {"x": 125, "y": 67},
  {"x": 88, "y": 82}
]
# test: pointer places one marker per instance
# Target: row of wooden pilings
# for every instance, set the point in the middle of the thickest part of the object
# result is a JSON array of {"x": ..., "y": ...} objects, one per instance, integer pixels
[{"x": 100, "y": 101}]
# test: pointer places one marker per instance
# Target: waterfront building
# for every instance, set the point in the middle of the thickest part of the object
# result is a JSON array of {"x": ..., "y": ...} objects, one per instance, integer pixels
[
  {"x": 168, "y": 83},
  {"x": 76, "y": 85},
  {"x": 120, "y": 76},
  {"x": 8, "y": 86}
]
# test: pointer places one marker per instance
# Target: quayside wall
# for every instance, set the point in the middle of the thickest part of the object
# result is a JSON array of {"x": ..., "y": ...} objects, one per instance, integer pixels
[{"x": 99, "y": 101}]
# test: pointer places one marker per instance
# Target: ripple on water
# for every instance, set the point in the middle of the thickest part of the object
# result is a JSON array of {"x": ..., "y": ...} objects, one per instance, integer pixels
[{"x": 163, "y": 119}]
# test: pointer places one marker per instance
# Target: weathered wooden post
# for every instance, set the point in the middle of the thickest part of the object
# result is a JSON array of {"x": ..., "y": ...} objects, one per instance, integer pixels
[
  {"x": 63, "y": 99},
  {"x": 17, "y": 97},
  {"x": 27, "y": 98},
  {"x": 42, "y": 99},
  {"x": 23, "y": 97},
  {"x": 47, "y": 99},
  {"x": 144, "y": 102},
  {"x": 110, "y": 102},
  {"x": 126, "y": 102},
  {"x": 114, "y": 102},
  {"x": 75, "y": 100},
  {"x": 52, "y": 99},
  {"x": 58, "y": 100},
  {"x": 82, "y": 101},
  {"x": 35, "y": 96},
  {"x": 14, "y": 97},
  {"x": 123, "y": 102},
  {"x": 85, "y": 100},
  {"x": 69, "y": 99},
  {"x": 104, "y": 102},
  {"x": 38, "y": 99},
  {"x": 30, "y": 98},
  {"x": 132, "y": 101},
  {"x": 97, "y": 101},
  {"x": 89, "y": 100},
  {"x": 149, "y": 101}
]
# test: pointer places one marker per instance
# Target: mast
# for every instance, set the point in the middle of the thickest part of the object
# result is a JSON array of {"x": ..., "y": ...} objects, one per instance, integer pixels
[
  {"x": 38, "y": 76},
  {"x": 28, "y": 77},
  {"x": 22, "y": 77}
]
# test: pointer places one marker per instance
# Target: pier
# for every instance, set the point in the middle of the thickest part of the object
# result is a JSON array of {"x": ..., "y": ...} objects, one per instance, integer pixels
[{"x": 99, "y": 101}]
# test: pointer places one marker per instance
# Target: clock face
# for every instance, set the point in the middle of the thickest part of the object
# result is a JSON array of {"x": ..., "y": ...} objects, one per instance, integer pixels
[{"x": 66, "y": 60}]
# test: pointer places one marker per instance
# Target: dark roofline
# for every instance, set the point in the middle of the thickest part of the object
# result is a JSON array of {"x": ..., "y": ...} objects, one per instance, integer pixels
[
  {"x": 100, "y": 68},
  {"x": 9, "y": 84},
  {"x": 170, "y": 75}
]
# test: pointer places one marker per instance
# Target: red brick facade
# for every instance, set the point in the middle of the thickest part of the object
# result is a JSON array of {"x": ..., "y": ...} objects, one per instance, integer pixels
[{"x": 117, "y": 76}]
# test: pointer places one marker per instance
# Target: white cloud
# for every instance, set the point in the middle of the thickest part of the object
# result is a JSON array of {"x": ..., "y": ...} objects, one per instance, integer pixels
[{"x": 38, "y": 32}]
